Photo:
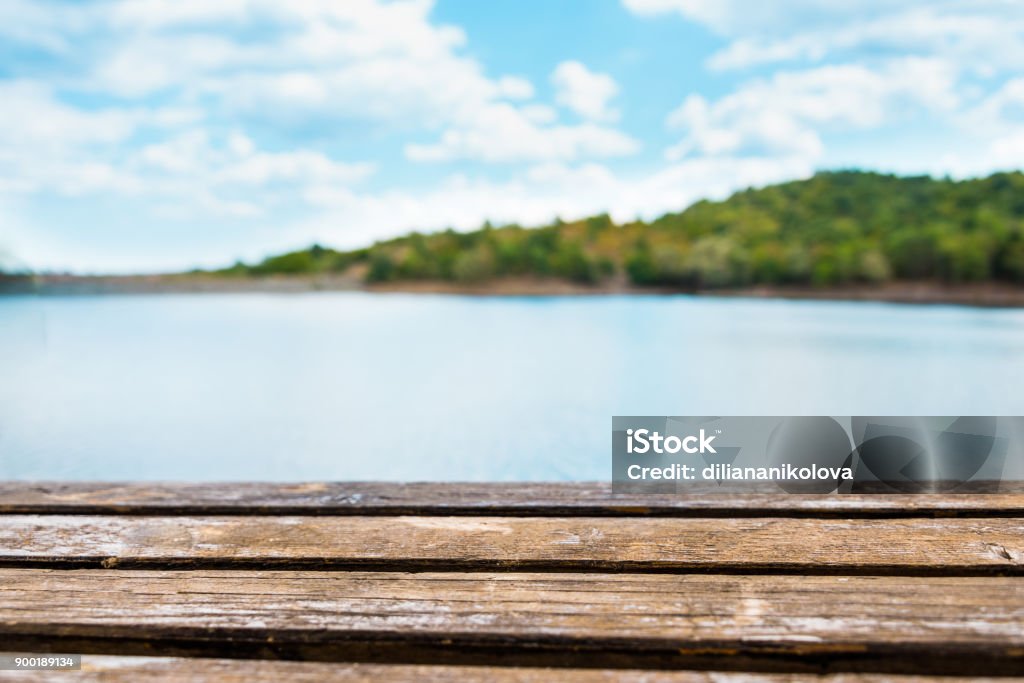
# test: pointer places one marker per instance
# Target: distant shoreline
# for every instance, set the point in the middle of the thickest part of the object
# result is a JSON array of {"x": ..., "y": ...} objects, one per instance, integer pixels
[{"x": 988, "y": 295}]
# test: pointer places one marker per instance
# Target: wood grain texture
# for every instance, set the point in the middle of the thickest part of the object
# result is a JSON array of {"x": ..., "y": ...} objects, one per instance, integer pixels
[
  {"x": 809, "y": 546},
  {"x": 750, "y": 623},
  {"x": 500, "y": 499},
  {"x": 113, "y": 669},
  {"x": 430, "y": 582}
]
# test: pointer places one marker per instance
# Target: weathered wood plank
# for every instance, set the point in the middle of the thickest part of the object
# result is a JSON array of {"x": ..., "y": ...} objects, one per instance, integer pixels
[
  {"x": 113, "y": 669},
  {"x": 501, "y": 499},
  {"x": 915, "y": 546},
  {"x": 965, "y": 626}
]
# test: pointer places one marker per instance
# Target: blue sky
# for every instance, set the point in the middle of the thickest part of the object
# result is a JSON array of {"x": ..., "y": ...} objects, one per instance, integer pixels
[{"x": 150, "y": 135}]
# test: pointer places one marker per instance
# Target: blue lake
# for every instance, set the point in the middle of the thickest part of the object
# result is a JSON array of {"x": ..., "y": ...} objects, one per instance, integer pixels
[{"x": 347, "y": 386}]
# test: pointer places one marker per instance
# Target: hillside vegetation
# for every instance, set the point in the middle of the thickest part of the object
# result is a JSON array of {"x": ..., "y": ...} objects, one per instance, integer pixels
[{"x": 836, "y": 228}]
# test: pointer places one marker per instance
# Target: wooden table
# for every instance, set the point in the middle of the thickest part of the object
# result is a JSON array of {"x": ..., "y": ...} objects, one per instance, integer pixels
[{"x": 503, "y": 582}]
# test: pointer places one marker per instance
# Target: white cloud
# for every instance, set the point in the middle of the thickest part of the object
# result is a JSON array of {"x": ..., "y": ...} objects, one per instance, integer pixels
[
  {"x": 503, "y": 133},
  {"x": 47, "y": 144},
  {"x": 307, "y": 61},
  {"x": 861, "y": 65},
  {"x": 233, "y": 177},
  {"x": 311, "y": 61},
  {"x": 786, "y": 113},
  {"x": 979, "y": 34},
  {"x": 326, "y": 64},
  {"x": 539, "y": 113},
  {"x": 32, "y": 115},
  {"x": 515, "y": 88},
  {"x": 1000, "y": 112},
  {"x": 238, "y": 161},
  {"x": 994, "y": 126},
  {"x": 262, "y": 168},
  {"x": 585, "y": 92},
  {"x": 736, "y": 16},
  {"x": 495, "y": 131}
]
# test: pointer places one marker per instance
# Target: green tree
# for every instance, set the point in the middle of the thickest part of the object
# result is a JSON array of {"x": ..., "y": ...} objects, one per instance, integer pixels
[
  {"x": 382, "y": 267},
  {"x": 474, "y": 266},
  {"x": 718, "y": 262},
  {"x": 874, "y": 267}
]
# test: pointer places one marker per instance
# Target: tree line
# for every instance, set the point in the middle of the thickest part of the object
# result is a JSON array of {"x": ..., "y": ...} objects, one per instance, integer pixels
[{"x": 836, "y": 228}]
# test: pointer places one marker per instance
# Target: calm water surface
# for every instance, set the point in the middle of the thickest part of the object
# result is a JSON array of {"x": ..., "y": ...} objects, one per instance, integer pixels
[{"x": 344, "y": 386}]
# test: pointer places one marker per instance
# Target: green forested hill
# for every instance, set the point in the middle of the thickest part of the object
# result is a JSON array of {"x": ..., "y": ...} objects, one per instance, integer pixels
[{"x": 833, "y": 229}]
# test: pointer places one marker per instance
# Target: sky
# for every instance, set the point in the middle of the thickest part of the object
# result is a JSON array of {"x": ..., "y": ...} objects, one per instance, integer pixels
[{"x": 158, "y": 135}]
